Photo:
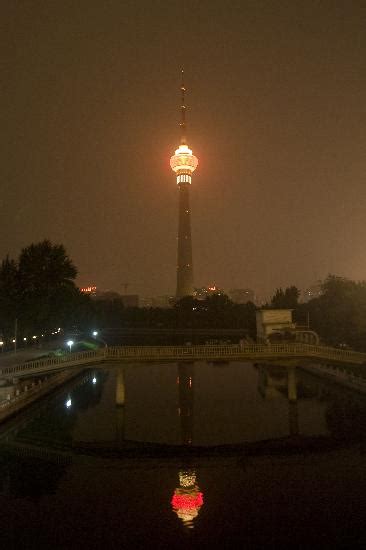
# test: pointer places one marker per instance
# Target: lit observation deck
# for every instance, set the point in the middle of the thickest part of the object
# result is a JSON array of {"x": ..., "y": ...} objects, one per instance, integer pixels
[{"x": 183, "y": 163}]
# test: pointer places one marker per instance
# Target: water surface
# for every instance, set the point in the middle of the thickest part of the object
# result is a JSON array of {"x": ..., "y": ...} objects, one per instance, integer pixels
[{"x": 275, "y": 455}]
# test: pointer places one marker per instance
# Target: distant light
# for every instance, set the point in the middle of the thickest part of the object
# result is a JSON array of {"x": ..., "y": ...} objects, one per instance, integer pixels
[
  {"x": 88, "y": 289},
  {"x": 13, "y": 340},
  {"x": 70, "y": 344},
  {"x": 95, "y": 333},
  {"x": 24, "y": 339},
  {"x": 34, "y": 337},
  {"x": 1, "y": 343},
  {"x": 94, "y": 380},
  {"x": 68, "y": 403}
]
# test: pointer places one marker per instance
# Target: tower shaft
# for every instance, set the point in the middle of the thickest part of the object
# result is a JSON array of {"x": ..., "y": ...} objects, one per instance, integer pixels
[
  {"x": 184, "y": 259},
  {"x": 184, "y": 163}
]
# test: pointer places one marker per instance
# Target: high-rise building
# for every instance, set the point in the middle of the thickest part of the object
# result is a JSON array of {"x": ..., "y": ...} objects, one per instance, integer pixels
[{"x": 184, "y": 163}]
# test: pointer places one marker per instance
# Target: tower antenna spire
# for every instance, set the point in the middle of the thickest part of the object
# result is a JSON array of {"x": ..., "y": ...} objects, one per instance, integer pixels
[{"x": 183, "y": 107}]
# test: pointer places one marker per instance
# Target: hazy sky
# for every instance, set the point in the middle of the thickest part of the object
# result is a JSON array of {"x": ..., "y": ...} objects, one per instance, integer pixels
[{"x": 277, "y": 119}]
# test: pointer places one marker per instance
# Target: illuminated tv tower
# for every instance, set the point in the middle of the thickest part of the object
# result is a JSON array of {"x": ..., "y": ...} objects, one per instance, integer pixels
[{"x": 184, "y": 163}]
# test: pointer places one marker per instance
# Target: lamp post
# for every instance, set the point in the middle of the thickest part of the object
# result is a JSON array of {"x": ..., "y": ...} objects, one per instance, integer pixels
[
  {"x": 70, "y": 344},
  {"x": 95, "y": 333}
]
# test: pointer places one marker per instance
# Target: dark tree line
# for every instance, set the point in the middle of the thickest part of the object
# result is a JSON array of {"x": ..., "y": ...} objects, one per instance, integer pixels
[
  {"x": 286, "y": 299},
  {"x": 338, "y": 314},
  {"x": 38, "y": 292},
  {"x": 216, "y": 311}
]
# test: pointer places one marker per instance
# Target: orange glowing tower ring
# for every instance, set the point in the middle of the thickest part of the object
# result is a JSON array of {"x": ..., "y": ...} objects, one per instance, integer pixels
[{"x": 183, "y": 162}]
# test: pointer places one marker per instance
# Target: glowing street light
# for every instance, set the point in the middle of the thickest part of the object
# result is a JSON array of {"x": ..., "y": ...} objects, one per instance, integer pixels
[
  {"x": 95, "y": 333},
  {"x": 2, "y": 345},
  {"x": 94, "y": 380},
  {"x": 70, "y": 343},
  {"x": 68, "y": 403}
]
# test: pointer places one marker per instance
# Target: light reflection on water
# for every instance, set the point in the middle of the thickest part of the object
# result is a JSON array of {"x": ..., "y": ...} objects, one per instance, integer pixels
[
  {"x": 187, "y": 499},
  {"x": 186, "y": 404},
  {"x": 114, "y": 411}
]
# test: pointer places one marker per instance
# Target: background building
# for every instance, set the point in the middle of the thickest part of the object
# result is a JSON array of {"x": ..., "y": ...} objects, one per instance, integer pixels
[
  {"x": 165, "y": 301},
  {"x": 130, "y": 300},
  {"x": 242, "y": 295},
  {"x": 272, "y": 320},
  {"x": 203, "y": 292},
  {"x": 91, "y": 290}
]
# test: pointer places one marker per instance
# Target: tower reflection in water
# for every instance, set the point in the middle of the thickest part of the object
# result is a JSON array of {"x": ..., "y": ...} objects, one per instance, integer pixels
[
  {"x": 120, "y": 406},
  {"x": 187, "y": 498}
]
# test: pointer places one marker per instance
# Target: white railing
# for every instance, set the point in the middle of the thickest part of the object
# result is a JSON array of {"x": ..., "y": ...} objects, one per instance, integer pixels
[
  {"x": 52, "y": 364},
  {"x": 253, "y": 352},
  {"x": 233, "y": 352}
]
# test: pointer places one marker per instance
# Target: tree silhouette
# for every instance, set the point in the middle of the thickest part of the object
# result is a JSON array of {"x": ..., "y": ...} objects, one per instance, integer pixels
[
  {"x": 9, "y": 295},
  {"x": 39, "y": 290},
  {"x": 287, "y": 299}
]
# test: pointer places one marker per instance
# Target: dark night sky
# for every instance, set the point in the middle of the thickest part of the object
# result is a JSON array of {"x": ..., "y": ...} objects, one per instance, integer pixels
[{"x": 90, "y": 95}]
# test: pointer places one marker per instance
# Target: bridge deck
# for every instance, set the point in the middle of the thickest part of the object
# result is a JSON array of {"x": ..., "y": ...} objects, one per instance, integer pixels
[{"x": 130, "y": 354}]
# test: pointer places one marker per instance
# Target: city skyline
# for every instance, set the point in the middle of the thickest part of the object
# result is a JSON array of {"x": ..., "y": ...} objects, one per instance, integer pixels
[{"x": 276, "y": 95}]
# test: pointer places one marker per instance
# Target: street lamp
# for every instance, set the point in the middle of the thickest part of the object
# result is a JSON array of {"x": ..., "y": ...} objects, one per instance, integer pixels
[
  {"x": 2, "y": 345},
  {"x": 70, "y": 343},
  {"x": 95, "y": 333}
]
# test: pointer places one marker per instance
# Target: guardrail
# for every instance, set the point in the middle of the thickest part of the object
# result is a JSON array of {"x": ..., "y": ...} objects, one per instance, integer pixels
[
  {"x": 231, "y": 352},
  {"x": 52, "y": 364},
  {"x": 338, "y": 375},
  {"x": 252, "y": 352}
]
